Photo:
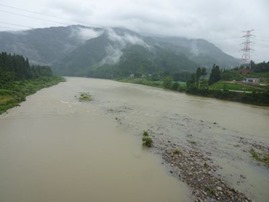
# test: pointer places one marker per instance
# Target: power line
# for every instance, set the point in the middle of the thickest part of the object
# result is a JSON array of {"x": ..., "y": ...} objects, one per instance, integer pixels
[
  {"x": 42, "y": 14},
  {"x": 26, "y": 16},
  {"x": 37, "y": 13},
  {"x": 7, "y": 6},
  {"x": 13, "y": 24}
]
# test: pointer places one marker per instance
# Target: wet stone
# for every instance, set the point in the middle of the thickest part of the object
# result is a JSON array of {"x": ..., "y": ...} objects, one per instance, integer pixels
[{"x": 219, "y": 188}]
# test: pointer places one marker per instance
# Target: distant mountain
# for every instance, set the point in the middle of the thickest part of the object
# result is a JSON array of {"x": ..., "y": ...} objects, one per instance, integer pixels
[
  {"x": 42, "y": 46},
  {"x": 200, "y": 51},
  {"x": 109, "y": 52}
]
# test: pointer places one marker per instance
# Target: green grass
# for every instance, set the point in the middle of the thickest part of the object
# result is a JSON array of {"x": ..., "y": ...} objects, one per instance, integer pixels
[
  {"x": 15, "y": 92},
  {"x": 224, "y": 90},
  {"x": 224, "y": 85},
  {"x": 259, "y": 75},
  {"x": 5, "y": 99}
]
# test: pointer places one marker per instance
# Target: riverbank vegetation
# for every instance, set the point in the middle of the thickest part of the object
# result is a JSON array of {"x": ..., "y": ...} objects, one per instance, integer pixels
[
  {"x": 19, "y": 79},
  {"x": 146, "y": 140},
  {"x": 241, "y": 84},
  {"x": 237, "y": 84},
  {"x": 264, "y": 158},
  {"x": 85, "y": 97}
]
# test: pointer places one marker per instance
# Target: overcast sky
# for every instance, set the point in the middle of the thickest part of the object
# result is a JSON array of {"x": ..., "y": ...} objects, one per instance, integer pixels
[{"x": 218, "y": 21}]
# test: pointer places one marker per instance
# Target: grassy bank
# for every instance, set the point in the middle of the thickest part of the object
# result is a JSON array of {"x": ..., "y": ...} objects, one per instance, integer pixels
[
  {"x": 248, "y": 94},
  {"x": 16, "y": 91},
  {"x": 236, "y": 86},
  {"x": 254, "y": 98}
]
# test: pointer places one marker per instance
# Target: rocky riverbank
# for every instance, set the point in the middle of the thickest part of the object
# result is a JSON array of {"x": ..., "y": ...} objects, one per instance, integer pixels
[
  {"x": 193, "y": 151},
  {"x": 198, "y": 171}
]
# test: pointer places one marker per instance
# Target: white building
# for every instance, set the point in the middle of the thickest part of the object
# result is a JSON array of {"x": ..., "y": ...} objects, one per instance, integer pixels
[{"x": 252, "y": 80}]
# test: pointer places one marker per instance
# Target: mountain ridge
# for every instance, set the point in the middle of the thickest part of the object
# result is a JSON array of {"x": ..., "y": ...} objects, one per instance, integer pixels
[{"x": 80, "y": 51}]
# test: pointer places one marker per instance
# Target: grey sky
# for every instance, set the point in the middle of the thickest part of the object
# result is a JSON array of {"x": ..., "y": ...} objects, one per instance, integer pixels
[{"x": 218, "y": 21}]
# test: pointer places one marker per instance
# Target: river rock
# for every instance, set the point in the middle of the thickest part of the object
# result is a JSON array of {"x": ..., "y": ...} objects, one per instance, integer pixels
[{"x": 219, "y": 188}]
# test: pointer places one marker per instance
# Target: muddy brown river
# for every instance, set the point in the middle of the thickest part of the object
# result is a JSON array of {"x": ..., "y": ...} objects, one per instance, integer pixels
[{"x": 55, "y": 148}]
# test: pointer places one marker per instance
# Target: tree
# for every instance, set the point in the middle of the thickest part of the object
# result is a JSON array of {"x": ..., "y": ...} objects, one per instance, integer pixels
[
  {"x": 215, "y": 75},
  {"x": 167, "y": 82},
  {"x": 204, "y": 72},
  {"x": 198, "y": 74},
  {"x": 174, "y": 86},
  {"x": 16, "y": 67}
]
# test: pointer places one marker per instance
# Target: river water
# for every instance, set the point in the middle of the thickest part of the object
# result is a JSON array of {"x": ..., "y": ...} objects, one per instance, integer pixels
[{"x": 55, "y": 148}]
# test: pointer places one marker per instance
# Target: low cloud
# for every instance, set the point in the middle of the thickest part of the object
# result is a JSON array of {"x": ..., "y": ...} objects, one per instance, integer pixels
[
  {"x": 119, "y": 42},
  {"x": 88, "y": 33},
  {"x": 125, "y": 39},
  {"x": 113, "y": 55},
  {"x": 220, "y": 22}
]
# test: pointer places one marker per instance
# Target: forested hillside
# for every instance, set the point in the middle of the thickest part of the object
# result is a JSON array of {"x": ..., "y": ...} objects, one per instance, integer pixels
[
  {"x": 18, "y": 79},
  {"x": 16, "y": 68}
]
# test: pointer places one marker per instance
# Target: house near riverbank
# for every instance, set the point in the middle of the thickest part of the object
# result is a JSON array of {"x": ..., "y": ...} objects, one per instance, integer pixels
[{"x": 252, "y": 80}]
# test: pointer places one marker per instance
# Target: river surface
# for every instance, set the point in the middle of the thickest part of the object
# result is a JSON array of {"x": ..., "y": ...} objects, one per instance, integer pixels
[{"x": 55, "y": 148}]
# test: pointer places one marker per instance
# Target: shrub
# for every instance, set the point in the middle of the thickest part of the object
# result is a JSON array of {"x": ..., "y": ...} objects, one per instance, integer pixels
[
  {"x": 176, "y": 151},
  {"x": 174, "y": 86},
  {"x": 167, "y": 82},
  {"x": 147, "y": 141},
  {"x": 264, "y": 158},
  {"x": 145, "y": 134},
  {"x": 181, "y": 88},
  {"x": 85, "y": 97},
  {"x": 254, "y": 154}
]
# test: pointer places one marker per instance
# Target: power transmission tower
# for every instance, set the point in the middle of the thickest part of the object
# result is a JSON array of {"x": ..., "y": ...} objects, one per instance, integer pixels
[{"x": 246, "y": 46}]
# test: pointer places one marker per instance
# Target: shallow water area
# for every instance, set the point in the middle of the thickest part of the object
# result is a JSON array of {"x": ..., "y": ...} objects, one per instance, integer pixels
[{"x": 55, "y": 148}]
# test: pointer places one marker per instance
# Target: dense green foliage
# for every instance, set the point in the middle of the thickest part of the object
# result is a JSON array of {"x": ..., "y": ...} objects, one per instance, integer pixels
[
  {"x": 18, "y": 79},
  {"x": 222, "y": 89},
  {"x": 146, "y": 140},
  {"x": 260, "y": 67},
  {"x": 137, "y": 60},
  {"x": 215, "y": 75},
  {"x": 223, "y": 85},
  {"x": 145, "y": 133},
  {"x": 200, "y": 72},
  {"x": 167, "y": 82},
  {"x": 249, "y": 98},
  {"x": 16, "y": 68},
  {"x": 231, "y": 75},
  {"x": 17, "y": 91}
]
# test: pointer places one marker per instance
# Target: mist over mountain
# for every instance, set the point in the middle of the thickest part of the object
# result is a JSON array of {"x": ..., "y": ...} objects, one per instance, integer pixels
[{"x": 110, "y": 52}]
